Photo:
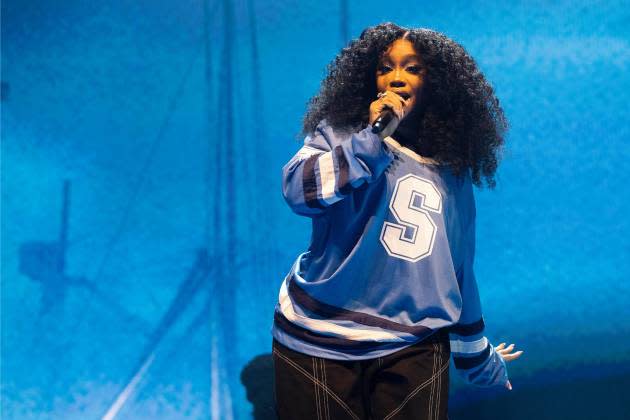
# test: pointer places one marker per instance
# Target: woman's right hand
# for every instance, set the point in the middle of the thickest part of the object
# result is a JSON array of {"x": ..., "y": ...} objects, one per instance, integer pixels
[{"x": 393, "y": 101}]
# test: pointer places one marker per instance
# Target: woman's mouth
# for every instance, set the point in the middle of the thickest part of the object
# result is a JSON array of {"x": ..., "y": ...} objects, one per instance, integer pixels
[{"x": 403, "y": 95}]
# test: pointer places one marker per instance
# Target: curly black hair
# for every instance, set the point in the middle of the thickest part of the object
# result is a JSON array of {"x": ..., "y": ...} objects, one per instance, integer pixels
[{"x": 461, "y": 122}]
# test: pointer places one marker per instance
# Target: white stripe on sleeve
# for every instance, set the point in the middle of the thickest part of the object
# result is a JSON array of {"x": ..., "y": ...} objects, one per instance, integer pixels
[
  {"x": 459, "y": 346},
  {"x": 327, "y": 177}
]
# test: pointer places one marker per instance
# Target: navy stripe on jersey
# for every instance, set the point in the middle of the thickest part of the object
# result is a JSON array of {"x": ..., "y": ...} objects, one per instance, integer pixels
[
  {"x": 332, "y": 312},
  {"x": 468, "y": 329},
  {"x": 344, "y": 185},
  {"x": 309, "y": 183},
  {"x": 325, "y": 340},
  {"x": 471, "y": 362}
]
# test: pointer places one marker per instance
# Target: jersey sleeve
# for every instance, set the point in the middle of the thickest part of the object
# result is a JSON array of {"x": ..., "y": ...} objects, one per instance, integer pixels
[
  {"x": 330, "y": 165},
  {"x": 474, "y": 356}
]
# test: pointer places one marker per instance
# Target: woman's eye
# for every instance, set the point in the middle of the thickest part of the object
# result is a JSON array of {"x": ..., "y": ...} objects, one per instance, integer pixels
[
  {"x": 384, "y": 69},
  {"x": 414, "y": 69}
]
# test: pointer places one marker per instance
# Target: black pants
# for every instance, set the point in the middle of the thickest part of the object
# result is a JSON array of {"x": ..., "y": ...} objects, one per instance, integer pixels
[{"x": 409, "y": 384}]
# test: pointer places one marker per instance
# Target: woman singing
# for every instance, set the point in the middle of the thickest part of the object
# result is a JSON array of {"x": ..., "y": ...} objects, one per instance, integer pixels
[{"x": 370, "y": 314}]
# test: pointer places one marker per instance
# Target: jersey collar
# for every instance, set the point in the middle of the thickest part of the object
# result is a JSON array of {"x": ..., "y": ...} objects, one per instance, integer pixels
[{"x": 393, "y": 143}]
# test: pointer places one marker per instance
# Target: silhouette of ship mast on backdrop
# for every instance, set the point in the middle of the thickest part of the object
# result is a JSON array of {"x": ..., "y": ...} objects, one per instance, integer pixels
[
  {"x": 44, "y": 262},
  {"x": 215, "y": 267}
]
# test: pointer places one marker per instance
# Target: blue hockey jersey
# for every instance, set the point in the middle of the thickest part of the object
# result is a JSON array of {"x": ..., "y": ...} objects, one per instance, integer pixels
[{"x": 390, "y": 259}]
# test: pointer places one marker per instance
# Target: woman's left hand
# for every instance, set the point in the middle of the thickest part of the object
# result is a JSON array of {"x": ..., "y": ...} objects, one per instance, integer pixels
[{"x": 504, "y": 352}]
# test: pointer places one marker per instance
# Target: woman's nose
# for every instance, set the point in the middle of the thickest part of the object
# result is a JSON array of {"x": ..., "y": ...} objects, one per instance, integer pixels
[{"x": 397, "y": 80}]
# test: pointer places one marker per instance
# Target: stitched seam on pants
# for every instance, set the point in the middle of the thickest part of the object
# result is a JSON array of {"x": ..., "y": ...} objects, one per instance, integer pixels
[
  {"x": 435, "y": 384},
  {"x": 322, "y": 410},
  {"x": 317, "y": 408},
  {"x": 326, "y": 406},
  {"x": 308, "y": 375},
  {"x": 439, "y": 385},
  {"x": 431, "y": 393},
  {"x": 415, "y": 391}
]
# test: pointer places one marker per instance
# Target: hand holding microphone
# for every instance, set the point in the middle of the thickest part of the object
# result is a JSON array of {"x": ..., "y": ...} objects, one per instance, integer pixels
[{"x": 386, "y": 113}]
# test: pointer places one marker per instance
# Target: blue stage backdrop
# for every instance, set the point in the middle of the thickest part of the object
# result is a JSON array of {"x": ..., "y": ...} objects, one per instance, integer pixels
[{"x": 144, "y": 234}]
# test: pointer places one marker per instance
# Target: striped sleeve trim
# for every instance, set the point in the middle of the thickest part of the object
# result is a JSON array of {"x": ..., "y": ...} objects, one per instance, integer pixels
[
  {"x": 344, "y": 170},
  {"x": 465, "y": 363},
  {"x": 327, "y": 176},
  {"x": 467, "y": 347},
  {"x": 326, "y": 171},
  {"x": 309, "y": 183},
  {"x": 466, "y": 330}
]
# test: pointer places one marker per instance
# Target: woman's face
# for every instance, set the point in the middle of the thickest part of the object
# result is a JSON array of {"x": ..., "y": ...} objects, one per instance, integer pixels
[{"x": 401, "y": 70}]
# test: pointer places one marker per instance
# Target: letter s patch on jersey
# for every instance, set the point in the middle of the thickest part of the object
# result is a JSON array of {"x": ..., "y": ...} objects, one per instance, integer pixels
[{"x": 412, "y": 219}]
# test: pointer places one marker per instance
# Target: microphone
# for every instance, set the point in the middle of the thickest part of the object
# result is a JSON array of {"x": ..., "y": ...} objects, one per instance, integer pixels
[{"x": 383, "y": 120}]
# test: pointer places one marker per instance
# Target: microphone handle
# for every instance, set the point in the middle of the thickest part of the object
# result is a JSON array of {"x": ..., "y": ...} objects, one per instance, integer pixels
[{"x": 383, "y": 120}]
